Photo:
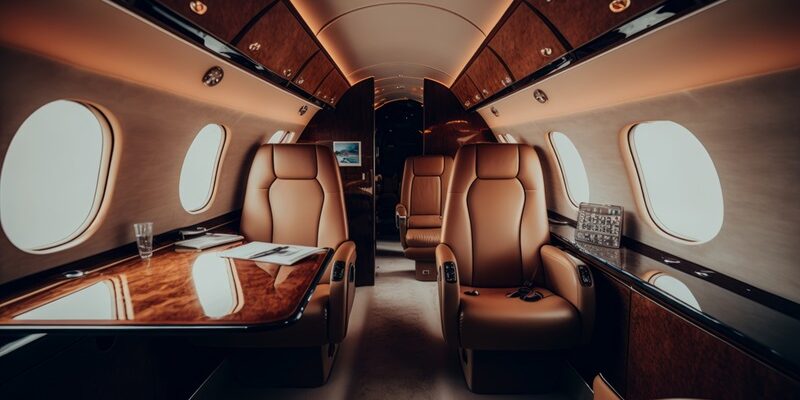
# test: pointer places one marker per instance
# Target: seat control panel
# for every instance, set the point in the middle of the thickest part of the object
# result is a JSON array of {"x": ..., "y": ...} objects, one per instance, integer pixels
[
  {"x": 338, "y": 271},
  {"x": 599, "y": 224},
  {"x": 585, "y": 275},
  {"x": 450, "y": 272}
]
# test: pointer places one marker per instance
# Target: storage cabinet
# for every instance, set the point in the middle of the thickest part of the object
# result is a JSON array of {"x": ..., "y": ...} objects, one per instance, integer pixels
[
  {"x": 311, "y": 76},
  {"x": 488, "y": 73},
  {"x": 466, "y": 92},
  {"x": 278, "y": 42},
  {"x": 525, "y": 42},
  {"x": 580, "y": 21},
  {"x": 332, "y": 88},
  {"x": 222, "y": 18}
]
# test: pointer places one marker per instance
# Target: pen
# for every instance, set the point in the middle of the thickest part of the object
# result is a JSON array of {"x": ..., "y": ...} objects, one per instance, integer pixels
[{"x": 268, "y": 252}]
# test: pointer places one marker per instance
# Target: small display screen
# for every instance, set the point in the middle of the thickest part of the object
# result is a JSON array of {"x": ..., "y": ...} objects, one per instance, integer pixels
[{"x": 599, "y": 224}]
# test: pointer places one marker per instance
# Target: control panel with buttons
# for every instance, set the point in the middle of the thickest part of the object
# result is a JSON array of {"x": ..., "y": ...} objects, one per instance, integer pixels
[{"x": 600, "y": 224}]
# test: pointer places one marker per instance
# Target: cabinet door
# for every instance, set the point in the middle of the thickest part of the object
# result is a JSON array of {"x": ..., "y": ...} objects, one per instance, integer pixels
[
  {"x": 222, "y": 18},
  {"x": 488, "y": 73},
  {"x": 278, "y": 42},
  {"x": 314, "y": 72},
  {"x": 332, "y": 88},
  {"x": 466, "y": 92},
  {"x": 583, "y": 20},
  {"x": 525, "y": 43}
]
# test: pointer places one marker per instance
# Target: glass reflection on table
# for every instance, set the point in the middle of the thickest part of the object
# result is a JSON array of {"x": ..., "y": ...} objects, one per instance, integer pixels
[
  {"x": 672, "y": 286},
  {"x": 217, "y": 285},
  {"x": 95, "y": 302}
]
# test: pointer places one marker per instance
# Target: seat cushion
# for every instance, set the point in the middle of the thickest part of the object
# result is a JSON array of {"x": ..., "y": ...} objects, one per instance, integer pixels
[
  {"x": 492, "y": 321},
  {"x": 423, "y": 237}
]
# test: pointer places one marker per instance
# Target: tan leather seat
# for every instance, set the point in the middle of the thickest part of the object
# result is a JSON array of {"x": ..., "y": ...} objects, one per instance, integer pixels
[
  {"x": 494, "y": 239},
  {"x": 419, "y": 213},
  {"x": 294, "y": 196}
]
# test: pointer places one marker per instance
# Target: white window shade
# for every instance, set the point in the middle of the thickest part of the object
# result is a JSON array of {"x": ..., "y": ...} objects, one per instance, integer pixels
[
  {"x": 200, "y": 167},
  {"x": 53, "y": 176},
  {"x": 679, "y": 182},
  {"x": 572, "y": 169}
]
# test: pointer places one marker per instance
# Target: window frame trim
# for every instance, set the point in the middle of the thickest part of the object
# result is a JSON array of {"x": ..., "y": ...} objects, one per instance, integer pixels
[
  {"x": 639, "y": 186},
  {"x": 103, "y": 189},
  {"x": 560, "y": 169},
  {"x": 218, "y": 161}
]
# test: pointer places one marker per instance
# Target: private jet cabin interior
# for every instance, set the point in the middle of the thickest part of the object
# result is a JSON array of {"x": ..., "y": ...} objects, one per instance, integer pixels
[{"x": 551, "y": 199}]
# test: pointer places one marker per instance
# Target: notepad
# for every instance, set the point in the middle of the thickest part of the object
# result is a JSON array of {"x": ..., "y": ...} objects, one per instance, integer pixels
[
  {"x": 289, "y": 256},
  {"x": 206, "y": 241}
]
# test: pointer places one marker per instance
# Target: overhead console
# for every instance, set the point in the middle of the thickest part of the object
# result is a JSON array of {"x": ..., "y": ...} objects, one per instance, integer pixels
[
  {"x": 266, "y": 37},
  {"x": 538, "y": 37}
]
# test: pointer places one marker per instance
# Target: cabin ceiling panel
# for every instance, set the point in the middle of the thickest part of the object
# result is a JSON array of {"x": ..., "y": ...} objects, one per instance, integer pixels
[{"x": 431, "y": 39}]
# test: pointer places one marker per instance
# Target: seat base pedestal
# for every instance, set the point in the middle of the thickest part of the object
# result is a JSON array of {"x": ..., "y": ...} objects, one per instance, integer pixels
[
  {"x": 425, "y": 270},
  {"x": 511, "y": 372}
]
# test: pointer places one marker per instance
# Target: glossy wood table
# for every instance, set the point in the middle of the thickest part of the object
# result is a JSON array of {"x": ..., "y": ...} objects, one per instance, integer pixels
[{"x": 172, "y": 291}]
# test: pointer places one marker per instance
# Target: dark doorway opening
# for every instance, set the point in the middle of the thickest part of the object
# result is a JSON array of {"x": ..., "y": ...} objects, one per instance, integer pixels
[{"x": 398, "y": 135}]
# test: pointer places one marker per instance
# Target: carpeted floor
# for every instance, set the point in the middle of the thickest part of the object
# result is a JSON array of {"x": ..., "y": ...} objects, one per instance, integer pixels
[{"x": 393, "y": 350}]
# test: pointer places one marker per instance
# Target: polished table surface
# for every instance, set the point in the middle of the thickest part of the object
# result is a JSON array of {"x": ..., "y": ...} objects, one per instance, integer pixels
[{"x": 171, "y": 291}]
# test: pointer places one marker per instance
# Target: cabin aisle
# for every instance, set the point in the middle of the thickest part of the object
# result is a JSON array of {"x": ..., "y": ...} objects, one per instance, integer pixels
[{"x": 393, "y": 350}]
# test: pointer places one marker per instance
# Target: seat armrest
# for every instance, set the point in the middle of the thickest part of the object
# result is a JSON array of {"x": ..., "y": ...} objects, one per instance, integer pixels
[
  {"x": 343, "y": 289},
  {"x": 449, "y": 292},
  {"x": 571, "y": 279},
  {"x": 401, "y": 221}
]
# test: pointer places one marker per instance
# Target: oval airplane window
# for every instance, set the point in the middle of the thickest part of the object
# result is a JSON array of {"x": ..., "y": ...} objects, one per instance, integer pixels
[
  {"x": 54, "y": 176},
  {"x": 200, "y": 167},
  {"x": 680, "y": 185},
  {"x": 572, "y": 169},
  {"x": 277, "y": 137}
]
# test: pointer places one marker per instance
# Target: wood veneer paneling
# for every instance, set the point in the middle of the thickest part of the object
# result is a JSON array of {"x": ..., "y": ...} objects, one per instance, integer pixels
[
  {"x": 354, "y": 120},
  {"x": 669, "y": 357},
  {"x": 465, "y": 91},
  {"x": 283, "y": 44},
  {"x": 332, "y": 88},
  {"x": 608, "y": 350},
  {"x": 583, "y": 20},
  {"x": 314, "y": 72},
  {"x": 446, "y": 125},
  {"x": 488, "y": 73},
  {"x": 166, "y": 291},
  {"x": 521, "y": 42},
  {"x": 224, "y": 18}
]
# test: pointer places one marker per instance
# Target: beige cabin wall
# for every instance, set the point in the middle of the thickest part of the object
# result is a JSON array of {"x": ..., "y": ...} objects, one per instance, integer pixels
[
  {"x": 152, "y": 131},
  {"x": 750, "y": 129}
]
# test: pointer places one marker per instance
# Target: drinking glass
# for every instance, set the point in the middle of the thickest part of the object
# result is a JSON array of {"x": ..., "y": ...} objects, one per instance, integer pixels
[{"x": 144, "y": 239}]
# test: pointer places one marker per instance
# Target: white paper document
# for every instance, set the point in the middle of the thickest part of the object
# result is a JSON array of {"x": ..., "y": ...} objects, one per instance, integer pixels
[{"x": 288, "y": 256}]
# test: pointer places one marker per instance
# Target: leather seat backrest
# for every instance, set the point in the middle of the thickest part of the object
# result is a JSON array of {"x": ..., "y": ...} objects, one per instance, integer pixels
[
  {"x": 495, "y": 218},
  {"x": 294, "y": 196},
  {"x": 424, "y": 188}
]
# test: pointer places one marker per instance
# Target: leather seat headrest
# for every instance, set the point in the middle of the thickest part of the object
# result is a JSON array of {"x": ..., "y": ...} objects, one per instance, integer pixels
[
  {"x": 293, "y": 161},
  {"x": 496, "y": 161},
  {"x": 429, "y": 166}
]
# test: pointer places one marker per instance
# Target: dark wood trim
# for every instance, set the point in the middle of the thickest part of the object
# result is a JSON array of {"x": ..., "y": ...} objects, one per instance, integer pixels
[
  {"x": 188, "y": 30},
  {"x": 596, "y": 46},
  {"x": 311, "y": 33},
  {"x": 707, "y": 322},
  {"x": 249, "y": 25},
  {"x": 564, "y": 42},
  {"x": 485, "y": 43},
  {"x": 305, "y": 64},
  {"x": 115, "y": 255}
]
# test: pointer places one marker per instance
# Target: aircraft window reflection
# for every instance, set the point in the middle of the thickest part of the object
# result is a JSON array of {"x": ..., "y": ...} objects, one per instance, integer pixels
[
  {"x": 679, "y": 182},
  {"x": 95, "y": 302},
  {"x": 509, "y": 138},
  {"x": 277, "y": 137},
  {"x": 217, "y": 285},
  {"x": 676, "y": 288},
  {"x": 572, "y": 169},
  {"x": 200, "y": 167},
  {"x": 288, "y": 138},
  {"x": 53, "y": 176}
]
